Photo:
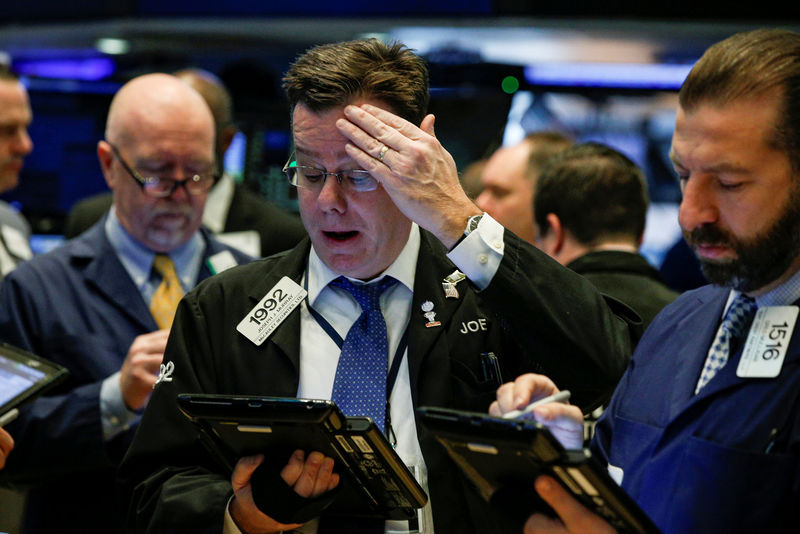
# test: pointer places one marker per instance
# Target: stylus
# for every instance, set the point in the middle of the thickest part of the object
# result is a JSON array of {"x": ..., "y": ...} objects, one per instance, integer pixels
[
  {"x": 8, "y": 417},
  {"x": 561, "y": 396}
]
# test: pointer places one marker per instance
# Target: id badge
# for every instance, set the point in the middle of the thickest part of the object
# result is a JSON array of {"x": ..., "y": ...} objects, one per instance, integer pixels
[
  {"x": 271, "y": 310},
  {"x": 767, "y": 342}
]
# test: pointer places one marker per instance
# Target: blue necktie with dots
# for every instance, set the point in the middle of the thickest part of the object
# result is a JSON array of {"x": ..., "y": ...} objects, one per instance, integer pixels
[
  {"x": 734, "y": 325},
  {"x": 359, "y": 388}
]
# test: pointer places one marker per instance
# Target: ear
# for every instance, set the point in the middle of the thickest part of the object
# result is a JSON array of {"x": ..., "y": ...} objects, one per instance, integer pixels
[
  {"x": 226, "y": 138},
  {"x": 106, "y": 158},
  {"x": 556, "y": 234}
]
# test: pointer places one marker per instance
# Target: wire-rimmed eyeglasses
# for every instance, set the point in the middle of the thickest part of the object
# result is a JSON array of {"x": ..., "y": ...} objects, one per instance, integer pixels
[
  {"x": 312, "y": 178},
  {"x": 162, "y": 187}
]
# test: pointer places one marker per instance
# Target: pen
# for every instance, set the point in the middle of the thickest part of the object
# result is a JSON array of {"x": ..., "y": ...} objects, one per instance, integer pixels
[
  {"x": 8, "y": 417},
  {"x": 561, "y": 396}
]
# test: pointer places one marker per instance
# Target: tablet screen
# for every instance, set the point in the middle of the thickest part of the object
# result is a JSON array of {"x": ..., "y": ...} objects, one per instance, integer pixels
[{"x": 23, "y": 375}]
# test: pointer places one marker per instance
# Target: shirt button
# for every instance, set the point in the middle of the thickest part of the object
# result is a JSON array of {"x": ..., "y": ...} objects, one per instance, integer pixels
[
  {"x": 497, "y": 245},
  {"x": 483, "y": 258}
]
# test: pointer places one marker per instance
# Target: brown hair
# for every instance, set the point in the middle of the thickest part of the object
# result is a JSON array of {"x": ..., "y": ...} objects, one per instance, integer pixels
[
  {"x": 598, "y": 193},
  {"x": 749, "y": 64},
  {"x": 544, "y": 145},
  {"x": 334, "y": 75}
]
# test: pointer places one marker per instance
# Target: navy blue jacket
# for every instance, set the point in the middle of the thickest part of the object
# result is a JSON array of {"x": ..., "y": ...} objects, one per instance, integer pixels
[{"x": 725, "y": 460}]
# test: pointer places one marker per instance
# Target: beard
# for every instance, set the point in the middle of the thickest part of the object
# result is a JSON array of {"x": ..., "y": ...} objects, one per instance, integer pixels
[{"x": 760, "y": 260}]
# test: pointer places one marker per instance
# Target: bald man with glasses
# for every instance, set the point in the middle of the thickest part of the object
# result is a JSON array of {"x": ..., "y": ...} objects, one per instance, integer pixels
[{"x": 102, "y": 304}]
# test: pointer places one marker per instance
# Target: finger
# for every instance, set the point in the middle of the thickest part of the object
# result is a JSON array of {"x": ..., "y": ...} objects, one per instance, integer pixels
[
  {"x": 427, "y": 125},
  {"x": 539, "y": 524},
  {"x": 530, "y": 387},
  {"x": 505, "y": 398},
  {"x": 323, "y": 477},
  {"x": 575, "y": 516},
  {"x": 294, "y": 468},
  {"x": 380, "y": 126},
  {"x": 305, "y": 484},
  {"x": 151, "y": 363},
  {"x": 243, "y": 470},
  {"x": 494, "y": 409},
  {"x": 556, "y": 411},
  {"x": 334, "y": 481}
]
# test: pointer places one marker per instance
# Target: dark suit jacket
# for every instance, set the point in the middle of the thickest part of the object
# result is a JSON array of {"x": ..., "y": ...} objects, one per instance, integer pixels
[
  {"x": 79, "y": 307},
  {"x": 582, "y": 351},
  {"x": 628, "y": 277},
  {"x": 278, "y": 229}
]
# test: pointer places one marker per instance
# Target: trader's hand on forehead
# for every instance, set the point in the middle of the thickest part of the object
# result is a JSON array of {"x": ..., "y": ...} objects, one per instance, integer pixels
[{"x": 414, "y": 168}]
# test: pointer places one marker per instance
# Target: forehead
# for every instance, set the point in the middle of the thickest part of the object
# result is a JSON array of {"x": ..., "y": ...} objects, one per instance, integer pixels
[
  {"x": 507, "y": 163},
  {"x": 164, "y": 140},
  {"x": 14, "y": 104},
  {"x": 741, "y": 130}
]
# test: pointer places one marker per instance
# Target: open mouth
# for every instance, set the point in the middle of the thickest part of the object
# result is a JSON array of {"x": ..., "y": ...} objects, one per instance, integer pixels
[{"x": 340, "y": 236}]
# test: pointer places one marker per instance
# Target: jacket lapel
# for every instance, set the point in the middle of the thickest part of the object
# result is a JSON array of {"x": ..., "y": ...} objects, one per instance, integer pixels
[
  {"x": 432, "y": 267},
  {"x": 286, "y": 337},
  {"x": 691, "y": 350},
  {"x": 103, "y": 271}
]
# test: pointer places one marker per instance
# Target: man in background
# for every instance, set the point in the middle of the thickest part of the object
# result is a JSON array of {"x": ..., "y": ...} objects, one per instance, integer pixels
[
  {"x": 15, "y": 144},
  {"x": 590, "y": 206},
  {"x": 102, "y": 304},
  {"x": 239, "y": 217},
  {"x": 509, "y": 179}
]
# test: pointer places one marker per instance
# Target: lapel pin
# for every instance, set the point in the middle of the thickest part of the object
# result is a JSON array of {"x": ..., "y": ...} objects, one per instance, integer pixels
[
  {"x": 450, "y": 282},
  {"x": 430, "y": 315}
]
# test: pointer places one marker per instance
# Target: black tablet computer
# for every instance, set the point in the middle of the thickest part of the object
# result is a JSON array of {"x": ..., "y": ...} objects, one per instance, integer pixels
[
  {"x": 23, "y": 376},
  {"x": 375, "y": 481},
  {"x": 508, "y": 454}
]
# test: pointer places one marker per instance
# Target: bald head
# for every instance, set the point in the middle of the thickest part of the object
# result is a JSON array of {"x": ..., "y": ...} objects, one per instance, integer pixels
[
  {"x": 156, "y": 100},
  {"x": 158, "y": 127}
]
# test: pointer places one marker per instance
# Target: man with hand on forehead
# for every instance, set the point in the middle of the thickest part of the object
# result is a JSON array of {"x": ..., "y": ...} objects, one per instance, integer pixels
[{"x": 405, "y": 295}]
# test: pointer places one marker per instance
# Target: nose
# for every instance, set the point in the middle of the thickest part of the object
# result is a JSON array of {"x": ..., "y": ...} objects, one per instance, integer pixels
[
  {"x": 23, "y": 145},
  {"x": 331, "y": 196},
  {"x": 483, "y": 201},
  {"x": 698, "y": 205}
]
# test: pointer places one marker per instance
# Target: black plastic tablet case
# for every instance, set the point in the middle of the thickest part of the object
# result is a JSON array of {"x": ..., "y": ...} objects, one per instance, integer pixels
[
  {"x": 23, "y": 376},
  {"x": 496, "y": 454},
  {"x": 375, "y": 481}
]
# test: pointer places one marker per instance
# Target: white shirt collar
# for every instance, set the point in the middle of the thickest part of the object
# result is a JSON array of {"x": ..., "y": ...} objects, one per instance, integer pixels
[
  {"x": 403, "y": 269},
  {"x": 218, "y": 203}
]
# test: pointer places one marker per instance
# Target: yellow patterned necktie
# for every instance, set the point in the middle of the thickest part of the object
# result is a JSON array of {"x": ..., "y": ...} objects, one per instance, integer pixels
[{"x": 168, "y": 294}]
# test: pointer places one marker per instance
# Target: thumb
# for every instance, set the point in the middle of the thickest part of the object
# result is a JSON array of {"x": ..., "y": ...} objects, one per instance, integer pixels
[
  {"x": 244, "y": 470},
  {"x": 427, "y": 125}
]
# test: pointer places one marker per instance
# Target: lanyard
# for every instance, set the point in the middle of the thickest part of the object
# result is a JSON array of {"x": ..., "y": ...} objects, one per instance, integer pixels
[{"x": 391, "y": 377}]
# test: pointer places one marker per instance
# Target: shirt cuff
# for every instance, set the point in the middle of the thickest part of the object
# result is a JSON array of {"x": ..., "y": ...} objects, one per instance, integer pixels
[
  {"x": 229, "y": 525},
  {"x": 114, "y": 415},
  {"x": 479, "y": 254}
]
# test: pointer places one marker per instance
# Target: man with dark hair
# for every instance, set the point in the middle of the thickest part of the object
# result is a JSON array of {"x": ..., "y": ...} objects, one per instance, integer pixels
[
  {"x": 704, "y": 428},
  {"x": 237, "y": 216},
  {"x": 384, "y": 211},
  {"x": 15, "y": 144},
  {"x": 102, "y": 304},
  {"x": 590, "y": 207},
  {"x": 509, "y": 179}
]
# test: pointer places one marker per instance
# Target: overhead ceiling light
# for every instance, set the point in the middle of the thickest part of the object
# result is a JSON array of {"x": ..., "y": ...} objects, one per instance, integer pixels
[{"x": 113, "y": 45}]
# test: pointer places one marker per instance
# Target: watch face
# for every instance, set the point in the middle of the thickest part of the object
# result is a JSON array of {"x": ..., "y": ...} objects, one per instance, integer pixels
[{"x": 472, "y": 223}]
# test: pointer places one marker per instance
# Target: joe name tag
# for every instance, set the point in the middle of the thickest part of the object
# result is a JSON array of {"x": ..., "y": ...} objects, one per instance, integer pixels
[
  {"x": 271, "y": 310},
  {"x": 767, "y": 342}
]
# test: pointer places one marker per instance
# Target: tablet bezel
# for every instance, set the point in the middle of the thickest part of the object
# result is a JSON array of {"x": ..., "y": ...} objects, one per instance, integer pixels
[{"x": 53, "y": 374}]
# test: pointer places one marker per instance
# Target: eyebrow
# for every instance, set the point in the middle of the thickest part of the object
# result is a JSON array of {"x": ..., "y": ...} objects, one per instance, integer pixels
[{"x": 723, "y": 167}]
